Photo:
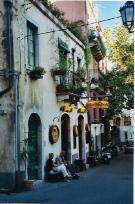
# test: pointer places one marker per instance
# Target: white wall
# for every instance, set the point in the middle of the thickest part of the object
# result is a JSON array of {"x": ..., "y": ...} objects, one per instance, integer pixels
[{"x": 39, "y": 96}]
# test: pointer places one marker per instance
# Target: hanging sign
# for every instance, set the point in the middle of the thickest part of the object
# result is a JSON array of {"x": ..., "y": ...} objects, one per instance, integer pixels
[
  {"x": 53, "y": 134},
  {"x": 97, "y": 104},
  {"x": 82, "y": 110},
  {"x": 66, "y": 108}
]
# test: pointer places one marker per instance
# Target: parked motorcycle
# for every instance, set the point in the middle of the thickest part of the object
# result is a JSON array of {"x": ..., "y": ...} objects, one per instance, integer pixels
[{"x": 105, "y": 156}]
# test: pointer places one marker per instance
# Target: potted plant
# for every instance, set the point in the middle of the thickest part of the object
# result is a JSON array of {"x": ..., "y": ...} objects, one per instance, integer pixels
[
  {"x": 80, "y": 74},
  {"x": 37, "y": 73},
  {"x": 24, "y": 157},
  {"x": 61, "y": 68},
  {"x": 81, "y": 87}
]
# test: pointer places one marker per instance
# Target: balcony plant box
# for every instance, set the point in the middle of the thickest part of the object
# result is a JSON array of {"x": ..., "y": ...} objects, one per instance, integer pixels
[
  {"x": 80, "y": 75},
  {"x": 59, "y": 72},
  {"x": 61, "y": 68},
  {"x": 37, "y": 73}
]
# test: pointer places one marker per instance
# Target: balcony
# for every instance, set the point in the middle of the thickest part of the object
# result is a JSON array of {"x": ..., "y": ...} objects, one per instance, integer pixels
[
  {"x": 97, "y": 46},
  {"x": 98, "y": 82},
  {"x": 68, "y": 87}
]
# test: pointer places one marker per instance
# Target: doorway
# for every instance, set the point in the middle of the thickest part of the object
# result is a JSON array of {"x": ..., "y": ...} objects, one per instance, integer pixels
[
  {"x": 81, "y": 134},
  {"x": 65, "y": 136},
  {"x": 34, "y": 147}
]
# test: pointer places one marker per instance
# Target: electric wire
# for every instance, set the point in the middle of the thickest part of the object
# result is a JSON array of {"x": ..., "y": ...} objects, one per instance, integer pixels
[{"x": 68, "y": 28}]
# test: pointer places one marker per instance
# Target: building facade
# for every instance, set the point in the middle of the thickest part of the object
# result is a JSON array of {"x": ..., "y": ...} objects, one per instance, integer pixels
[
  {"x": 85, "y": 13},
  {"x": 39, "y": 107}
]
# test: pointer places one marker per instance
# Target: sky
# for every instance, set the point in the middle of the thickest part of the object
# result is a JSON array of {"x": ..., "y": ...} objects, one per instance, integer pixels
[{"x": 109, "y": 9}]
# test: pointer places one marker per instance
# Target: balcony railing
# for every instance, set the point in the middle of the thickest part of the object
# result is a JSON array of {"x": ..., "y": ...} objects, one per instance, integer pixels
[
  {"x": 69, "y": 84},
  {"x": 97, "y": 46}
]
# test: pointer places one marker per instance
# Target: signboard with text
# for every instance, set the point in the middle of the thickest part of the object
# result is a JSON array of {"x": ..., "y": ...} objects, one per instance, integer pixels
[{"x": 97, "y": 104}]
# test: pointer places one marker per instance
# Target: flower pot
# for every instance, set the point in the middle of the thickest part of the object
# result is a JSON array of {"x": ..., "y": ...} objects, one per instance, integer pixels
[
  {"x": 60, "y": 88},
  {"x": 59, "y": 72},
  {"x": 82, "y": 79},
  {"x": 28, "y": 185},
  {"x": 36, "y": 76}
]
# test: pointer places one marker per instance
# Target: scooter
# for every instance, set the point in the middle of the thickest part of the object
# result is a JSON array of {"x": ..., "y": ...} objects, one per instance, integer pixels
[{"x": 105, "y": 157}]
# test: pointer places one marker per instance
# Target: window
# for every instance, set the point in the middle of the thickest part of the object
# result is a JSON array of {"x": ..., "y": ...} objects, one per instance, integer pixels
[
  {"x": 127, "y": 121},
  {"x": 62, "y": 58},
  {"x": 32, "y": 44},
  {"x": 78, "y": 62},
  {"x": 63, "y": 63}
]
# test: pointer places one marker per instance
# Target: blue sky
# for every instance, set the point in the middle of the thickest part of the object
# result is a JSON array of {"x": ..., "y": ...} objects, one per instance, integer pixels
[{"x": 109, "y": 9}]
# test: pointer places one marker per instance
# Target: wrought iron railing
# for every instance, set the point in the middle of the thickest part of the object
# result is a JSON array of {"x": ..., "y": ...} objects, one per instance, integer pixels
[
  {"x": 70, "y": 83},
  {"x": 97, "y": 45}
]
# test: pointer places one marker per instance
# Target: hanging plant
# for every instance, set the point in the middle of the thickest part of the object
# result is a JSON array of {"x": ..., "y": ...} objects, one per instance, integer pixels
[
  {"x": 37, "y": 73},
  {"x": 80, "y": 74}
]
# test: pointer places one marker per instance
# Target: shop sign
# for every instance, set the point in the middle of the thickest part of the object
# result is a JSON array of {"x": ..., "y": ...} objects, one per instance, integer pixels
[
  {"x": 82, "y": 110},
  {"x": 97, "y": 104},
  {"x": 66, "y": 108},
  {"x": 53, "y": 134}
]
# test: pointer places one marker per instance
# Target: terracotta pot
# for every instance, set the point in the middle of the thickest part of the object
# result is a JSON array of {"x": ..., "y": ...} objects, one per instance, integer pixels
[{"x": 28, "y": 185}]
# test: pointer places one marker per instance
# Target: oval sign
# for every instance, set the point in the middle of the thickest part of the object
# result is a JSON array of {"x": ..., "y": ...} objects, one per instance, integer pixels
[{"x": 53, "y": 134}]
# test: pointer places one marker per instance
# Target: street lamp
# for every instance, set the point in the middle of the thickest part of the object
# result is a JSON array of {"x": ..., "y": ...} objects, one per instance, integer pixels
[{"x": 127, "y": 14}]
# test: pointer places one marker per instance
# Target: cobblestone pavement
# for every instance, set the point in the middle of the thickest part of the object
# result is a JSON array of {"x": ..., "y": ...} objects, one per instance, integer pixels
[{"x": 103, "y": 184}]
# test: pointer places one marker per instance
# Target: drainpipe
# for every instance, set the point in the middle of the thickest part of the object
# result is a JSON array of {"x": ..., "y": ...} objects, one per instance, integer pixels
[
  {"x": 8, "y": 5},
  {"x": 11, "y": 76},
  {"x": 17, "y": 134},
  {"x": 73, "y": 58}
]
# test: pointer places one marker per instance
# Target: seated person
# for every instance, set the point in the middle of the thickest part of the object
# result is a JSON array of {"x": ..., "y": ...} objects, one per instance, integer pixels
[
  {"x": 53, "y": 168},
  {"x": 70, "y": 168}
]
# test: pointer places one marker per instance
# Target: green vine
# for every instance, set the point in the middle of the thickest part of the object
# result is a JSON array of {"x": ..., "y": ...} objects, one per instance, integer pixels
[{"x": 88, "y": 54}]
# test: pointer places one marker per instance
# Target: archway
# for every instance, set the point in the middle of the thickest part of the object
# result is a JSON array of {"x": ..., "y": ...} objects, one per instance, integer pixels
[
  {"x": 65, "y": 136},
  {"x": 81, "y": 135},
  {"x": 34, "y": 147}
]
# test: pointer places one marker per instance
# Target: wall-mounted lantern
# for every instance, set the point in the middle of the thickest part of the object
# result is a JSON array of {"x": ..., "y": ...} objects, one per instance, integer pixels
[{"x": 127, "y": 14}]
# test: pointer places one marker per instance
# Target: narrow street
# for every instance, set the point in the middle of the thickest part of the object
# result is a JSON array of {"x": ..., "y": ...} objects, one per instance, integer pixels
[{"x": 104, "y": 184}]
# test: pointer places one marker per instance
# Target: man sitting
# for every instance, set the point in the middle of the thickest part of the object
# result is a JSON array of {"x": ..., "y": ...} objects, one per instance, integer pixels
[
  {"x": 53, "y": 168},
  {"x": 70, "y": 168}
]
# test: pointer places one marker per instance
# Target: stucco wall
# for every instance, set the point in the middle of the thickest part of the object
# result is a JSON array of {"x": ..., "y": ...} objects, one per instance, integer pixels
[
  {"x": 39, "y": 96},
  {"x": 7, "y": 114}
]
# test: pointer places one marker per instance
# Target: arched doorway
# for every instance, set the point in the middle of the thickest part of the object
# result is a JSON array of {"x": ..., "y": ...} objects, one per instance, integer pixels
[
  {"x": 81, "y": 135},
  {"x": 65, "y": 135},
  {"x": 34, "y": 147}
]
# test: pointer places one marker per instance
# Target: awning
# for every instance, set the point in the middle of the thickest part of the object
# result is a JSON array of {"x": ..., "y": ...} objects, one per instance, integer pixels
[{"x": 63, "y": 45}]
